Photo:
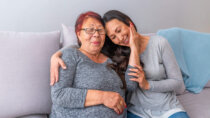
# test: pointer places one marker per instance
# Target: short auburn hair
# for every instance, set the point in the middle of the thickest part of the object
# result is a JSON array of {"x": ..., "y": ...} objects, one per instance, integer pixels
[{"x": 82, "y": 17}]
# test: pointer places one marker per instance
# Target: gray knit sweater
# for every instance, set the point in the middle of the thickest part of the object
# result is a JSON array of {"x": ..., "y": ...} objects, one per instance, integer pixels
[
  {"x": 68, "y": 95},
  {"x": 165, "y": 79}
]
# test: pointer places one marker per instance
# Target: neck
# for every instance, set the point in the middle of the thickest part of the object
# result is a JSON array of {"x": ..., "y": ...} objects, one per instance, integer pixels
[
  {"x": 143, "y": 43},
  {"x": 90, "y": 54}
]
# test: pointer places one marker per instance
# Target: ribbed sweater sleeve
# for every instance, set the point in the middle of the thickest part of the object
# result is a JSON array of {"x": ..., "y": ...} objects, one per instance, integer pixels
[
  {"x": 173, "y": 81},
  {"x": 63, "y": 93}
]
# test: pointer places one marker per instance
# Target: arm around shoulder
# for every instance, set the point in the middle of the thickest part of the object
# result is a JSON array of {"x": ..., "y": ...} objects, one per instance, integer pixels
[{"x": 63, "y": 93}]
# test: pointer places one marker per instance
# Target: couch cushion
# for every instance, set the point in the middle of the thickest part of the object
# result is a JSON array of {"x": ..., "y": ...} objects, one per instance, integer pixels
[
  {"x": 69, "y": 36},
  {"x": 197, "y": 56},
  {"x": 25, "y": 73},
  {"x": 173, "y": 37},
  {"x": 195, "y": 49},
  {"x": 34, "y": 116},
  {"x": 196, "y": 105},
  {"x": 208, "y": 84}
]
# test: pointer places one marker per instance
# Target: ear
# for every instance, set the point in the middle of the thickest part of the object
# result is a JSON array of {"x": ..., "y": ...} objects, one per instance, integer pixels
[{"x": 78, "y": 35}]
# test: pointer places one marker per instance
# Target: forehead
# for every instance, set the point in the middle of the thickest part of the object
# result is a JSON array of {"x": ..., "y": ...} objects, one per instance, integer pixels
[
  {"x": 112, "y": 25},
  {"x": 92, "y": 22}
]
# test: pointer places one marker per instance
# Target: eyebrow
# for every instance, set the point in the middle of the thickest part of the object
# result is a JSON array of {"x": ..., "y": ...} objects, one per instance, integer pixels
[
  {"x": 97, "y": 25},
  {"x": 116, "y": 29},
  {"x": 111, "y": 36}
]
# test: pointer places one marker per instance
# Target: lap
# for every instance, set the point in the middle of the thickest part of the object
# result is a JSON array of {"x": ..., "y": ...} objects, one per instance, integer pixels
[
  {"x": 179, "y": 115},
  {"x": 131, "y": 115},
  {"x": 176, "y": 115}
]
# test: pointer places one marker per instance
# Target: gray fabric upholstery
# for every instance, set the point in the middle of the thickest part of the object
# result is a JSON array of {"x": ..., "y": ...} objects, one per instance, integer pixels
[
  {"x": 196, "y": 105},
  {"x": 34, "y": 116},
  {"x": 208, "y": 84},
  {"x": 24, "y": 72}
]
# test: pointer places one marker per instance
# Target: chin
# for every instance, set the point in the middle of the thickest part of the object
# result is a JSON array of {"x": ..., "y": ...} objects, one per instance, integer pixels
[{"x": 96, "y": 49}]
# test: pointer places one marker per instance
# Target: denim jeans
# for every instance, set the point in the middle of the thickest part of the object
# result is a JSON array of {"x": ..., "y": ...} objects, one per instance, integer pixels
[
  {"x": 176, "y": 115},
  {"x": 131, "y": 115},
  {"x": 179, "y": 115}
]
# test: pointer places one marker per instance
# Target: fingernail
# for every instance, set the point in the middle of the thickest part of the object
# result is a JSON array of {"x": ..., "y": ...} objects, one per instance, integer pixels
[
  {"x": 125, "y": 106},
  {"x": 64, "y": 67},
  {"x": 131, "y": 23}
]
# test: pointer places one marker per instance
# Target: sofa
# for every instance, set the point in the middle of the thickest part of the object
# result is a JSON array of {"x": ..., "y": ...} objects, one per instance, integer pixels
[
  {"x": 25, "y": 75},
  {"x": 191, "y": 50}
]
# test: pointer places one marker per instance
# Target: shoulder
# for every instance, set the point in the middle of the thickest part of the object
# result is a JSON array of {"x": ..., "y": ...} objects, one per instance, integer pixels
[
  {"x": 159, "y": 41},
  {"x": 104, "y": 57},
  {"x": 109, "y": 60},
  {"x": 70, "y": 54}
]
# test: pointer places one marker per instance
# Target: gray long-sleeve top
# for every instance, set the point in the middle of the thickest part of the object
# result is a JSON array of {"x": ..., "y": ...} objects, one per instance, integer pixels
[
  {"x": 165, "y": 79},
  {"x": 68, "y": 95}
]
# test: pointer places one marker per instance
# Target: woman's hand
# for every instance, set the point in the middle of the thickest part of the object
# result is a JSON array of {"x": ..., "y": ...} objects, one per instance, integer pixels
[
  {"x": 114, "y": 101},
  {"x": 140, "y": 77},
  {"x": 134, "y": 39},
  {"x": 55, "y": 63}
]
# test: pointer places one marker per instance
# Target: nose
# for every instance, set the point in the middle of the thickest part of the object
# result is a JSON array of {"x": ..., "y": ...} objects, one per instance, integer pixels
[
  {"x": 96, "y": 34},
  {"x": 120, "y": 37}
]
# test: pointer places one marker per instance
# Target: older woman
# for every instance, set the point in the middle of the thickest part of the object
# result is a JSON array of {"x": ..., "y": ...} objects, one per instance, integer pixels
[
  {"x": 156, "y": 70},
  {"x": 88, "y": 88}
]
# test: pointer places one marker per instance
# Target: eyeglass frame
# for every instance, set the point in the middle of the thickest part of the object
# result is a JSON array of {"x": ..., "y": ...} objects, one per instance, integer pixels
[{"x": 85, "y": 29}]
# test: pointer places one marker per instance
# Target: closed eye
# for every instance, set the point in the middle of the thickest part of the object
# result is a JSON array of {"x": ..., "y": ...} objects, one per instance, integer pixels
[
  {"x": 112, "y": 37},
  {"x": 118, "y": 31}
]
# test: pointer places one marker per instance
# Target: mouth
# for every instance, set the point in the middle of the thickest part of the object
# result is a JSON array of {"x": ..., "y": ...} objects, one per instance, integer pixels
[
  {"x": 126, "y": 41},
  {"x": 96, "y": 42}
]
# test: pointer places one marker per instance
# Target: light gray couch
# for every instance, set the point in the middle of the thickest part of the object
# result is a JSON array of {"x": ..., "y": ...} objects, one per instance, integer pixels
[
  {"x": 24, "y": 73},
  {"x": 197, "y": 105},
  {"x": 24, "y": 77}
]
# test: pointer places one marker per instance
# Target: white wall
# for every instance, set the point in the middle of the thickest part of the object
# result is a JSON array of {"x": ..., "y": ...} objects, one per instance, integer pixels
[{"x": 149, "y": 15}]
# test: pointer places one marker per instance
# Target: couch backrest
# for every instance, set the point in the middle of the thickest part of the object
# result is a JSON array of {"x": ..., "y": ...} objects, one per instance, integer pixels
[{"x": 25, "y": 73}]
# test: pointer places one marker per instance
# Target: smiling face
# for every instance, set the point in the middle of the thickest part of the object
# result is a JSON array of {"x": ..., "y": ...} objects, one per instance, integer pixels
[
  {"x": 91, "y": 42},
  {"x": 118, "y": 32}
]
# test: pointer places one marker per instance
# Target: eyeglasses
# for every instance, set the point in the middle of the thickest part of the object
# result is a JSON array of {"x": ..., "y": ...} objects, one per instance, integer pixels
[{"x": 92, "y": 31}]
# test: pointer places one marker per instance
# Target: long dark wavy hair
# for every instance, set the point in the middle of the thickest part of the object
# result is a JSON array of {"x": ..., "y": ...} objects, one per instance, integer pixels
[{"x": 118, "y": 54}]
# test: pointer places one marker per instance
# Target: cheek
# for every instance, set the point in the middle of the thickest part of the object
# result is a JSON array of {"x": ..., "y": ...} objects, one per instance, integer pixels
[
  {"x": 102, "y": 40},
  {"x": 126, "y": 30},
  {"x": 85, "y": 39},
  {"x": 115, "y": 41}
]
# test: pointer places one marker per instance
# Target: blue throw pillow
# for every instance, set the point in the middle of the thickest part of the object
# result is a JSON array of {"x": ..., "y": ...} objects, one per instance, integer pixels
[
  {"x": 173, "y": 37},
  {"x": 196, "y": 55}
]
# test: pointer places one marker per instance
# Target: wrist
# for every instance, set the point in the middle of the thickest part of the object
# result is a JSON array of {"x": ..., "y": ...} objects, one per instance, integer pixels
[
  {"x": 147, "y": 86},
  {"x": 144, "y": 85},
  {"x": 102, "y": 96},
  {"x": 134, "y": 50}
]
